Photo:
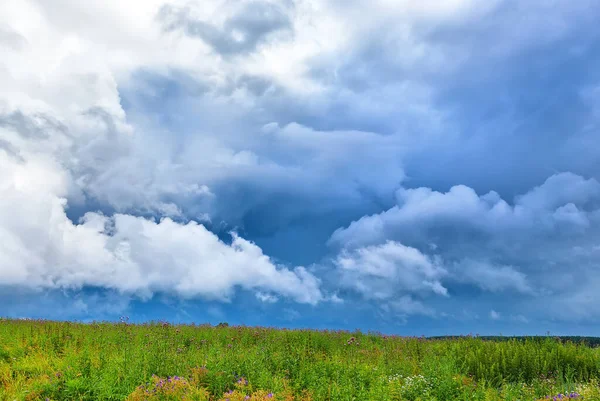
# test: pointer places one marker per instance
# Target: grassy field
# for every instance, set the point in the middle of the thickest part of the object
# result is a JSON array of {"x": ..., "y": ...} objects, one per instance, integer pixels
[{"x": 42, "y": 360}]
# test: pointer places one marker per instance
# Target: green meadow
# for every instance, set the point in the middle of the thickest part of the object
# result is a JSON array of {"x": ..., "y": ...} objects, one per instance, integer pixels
[{"x": 43, "y": 360}]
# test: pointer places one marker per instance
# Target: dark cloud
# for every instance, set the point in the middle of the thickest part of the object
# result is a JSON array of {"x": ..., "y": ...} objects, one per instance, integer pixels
[
  {"x": 256, "y": 85},
  {"x": 251, "y": 25},
  {"x": 440, "y": 129},
  {"x": 496, "y": 102},
  {"x": 493, "y": 104},
  {"x": 33, "y": 126},
  {"x": 11, "y": 150}
]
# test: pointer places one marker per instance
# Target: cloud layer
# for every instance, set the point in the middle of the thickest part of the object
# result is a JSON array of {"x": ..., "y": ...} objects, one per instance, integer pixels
[{"x": 451, "y": 144}]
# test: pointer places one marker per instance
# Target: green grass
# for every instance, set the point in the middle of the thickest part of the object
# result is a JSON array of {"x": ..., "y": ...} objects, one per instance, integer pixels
[{"x": 109, "y": 361}]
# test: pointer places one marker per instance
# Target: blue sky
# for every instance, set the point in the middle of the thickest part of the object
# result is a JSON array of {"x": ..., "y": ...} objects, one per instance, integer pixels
[{"x": 407, "y": 167}]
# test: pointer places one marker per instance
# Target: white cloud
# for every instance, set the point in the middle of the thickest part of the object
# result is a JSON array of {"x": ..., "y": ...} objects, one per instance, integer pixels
[
  {"x": 421, "y": 210},
  {"x": 490, "y": 277},
  {"x": 389, "y": 271},
  {"x": 406, "y": 306},
  {"x": 266, "y": 298},
  {"x": 540, "y": 247},
  {"x": 41, "y": 248},
  {"x": 494, "y": 315},
  {"x": 335, "y": 299},
  {"x": 560, "y": 190}
]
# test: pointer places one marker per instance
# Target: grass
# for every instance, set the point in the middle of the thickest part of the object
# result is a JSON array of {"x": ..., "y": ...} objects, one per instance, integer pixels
[{"x": 43, "y": 360}]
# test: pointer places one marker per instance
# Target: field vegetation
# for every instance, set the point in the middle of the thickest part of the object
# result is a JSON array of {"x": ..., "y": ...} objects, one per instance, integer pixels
[{"x": 43, "y": 360}]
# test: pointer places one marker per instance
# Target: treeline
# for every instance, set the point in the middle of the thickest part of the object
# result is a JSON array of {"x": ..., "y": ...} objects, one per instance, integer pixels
[{"x": 584, "y": 340}]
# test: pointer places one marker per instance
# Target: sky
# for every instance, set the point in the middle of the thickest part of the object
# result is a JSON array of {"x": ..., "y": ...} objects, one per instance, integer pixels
[{"x": 413, "y": 168}]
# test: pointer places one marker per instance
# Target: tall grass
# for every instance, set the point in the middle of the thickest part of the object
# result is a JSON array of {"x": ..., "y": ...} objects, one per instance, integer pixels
[{"x": 110, "y": 361}]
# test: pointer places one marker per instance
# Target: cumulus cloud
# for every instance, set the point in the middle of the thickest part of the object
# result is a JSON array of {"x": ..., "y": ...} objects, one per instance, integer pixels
[
  {"x": 530, "y": 241},
  {"x": 422, "y": 211},
  {"x": 406, "y": 306},
  {"x": 393, "y": 275},
  {"x": 265, "y": 297},
  {"x": 560, "y": 191},
  {"x": 42, "y": 249},
  {"x": 490, "y": 277}
]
